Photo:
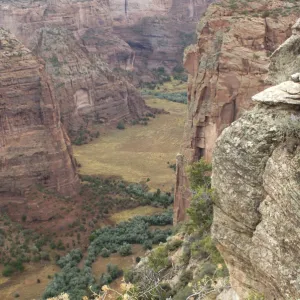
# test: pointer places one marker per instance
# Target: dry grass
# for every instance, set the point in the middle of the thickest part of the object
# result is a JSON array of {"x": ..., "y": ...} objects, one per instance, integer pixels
[
  {"x": 25, "y": 284},
  {"x": 139, "y": 211},
  {"x": 138, "y": 152}
]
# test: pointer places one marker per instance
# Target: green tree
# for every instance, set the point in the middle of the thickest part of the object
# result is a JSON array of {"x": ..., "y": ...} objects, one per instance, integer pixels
[{"x": 199, "y": 174}]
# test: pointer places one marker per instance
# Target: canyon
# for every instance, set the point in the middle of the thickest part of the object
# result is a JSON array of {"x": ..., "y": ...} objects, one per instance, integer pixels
[
  {"x": 82, "y": 41},
  {"x": 227, "y": 66}
]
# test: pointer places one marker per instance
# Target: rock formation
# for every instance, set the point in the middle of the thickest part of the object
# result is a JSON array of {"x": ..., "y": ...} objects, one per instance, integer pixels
[
  {"x": 227, "y": 66},
  {"x": 256, "y": 179},
  {"x": 157, "y": 31},
  {"x": 34, "y": 147},
  {"x": 131, "y": 34},
  {"x": 85, "y": 87}
]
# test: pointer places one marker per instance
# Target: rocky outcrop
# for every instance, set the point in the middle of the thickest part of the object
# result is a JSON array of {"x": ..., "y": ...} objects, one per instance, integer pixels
[
  {"x": 256, "y": 179},
  {"x": 34, "y": 147},
  {"x": 285, "y": 60},
  {"x": 227, "y": 66}
]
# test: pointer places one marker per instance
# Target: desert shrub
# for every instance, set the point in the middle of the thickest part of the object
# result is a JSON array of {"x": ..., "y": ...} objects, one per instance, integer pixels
[
  {"x": 200, "y": 212},
  {"x": 114, "y": 271},
  {"x": 105, "y": 279},
  {"x": 174, "y": 244},
  {"x": 185, "y": 278},
  {"x": 105, "y": 252},
  {"x": 121, "y": 125},
  {"x": 12, "y": 267},
  {"x": 183, "y": 293},
  {"x": 125, "y": 250},
  {"x": 158, "y": 259},
  {"x": 147, "y": 245},
  {"x": 71, "y": 279},
  {"x": 179, "y": 97}
]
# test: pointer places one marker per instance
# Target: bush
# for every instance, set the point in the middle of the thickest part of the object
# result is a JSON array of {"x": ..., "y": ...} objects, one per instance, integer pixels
[
  {"x": 174, "y": 245},
  {"x": 121, "y": 125},
  {"x": 185, "y": 278},
  {"x": 8, "y": 271},
  {"x": 114, "y": 271},
  {"x": 105, "y": 279},
  {"x": 199, "y": 174},
  {"x": 147, "y": 245},
  {"x": 105, "y": 253},
  {"x": 158, "y": 259},
  {"x": 125, "y": 250},
  {"x": 13, "y": 267}
]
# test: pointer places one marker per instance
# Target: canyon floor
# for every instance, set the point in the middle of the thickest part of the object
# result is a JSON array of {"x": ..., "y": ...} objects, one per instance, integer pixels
[
  {"x": 136, "y": 153},
  {"x": 139, "y": 152}
]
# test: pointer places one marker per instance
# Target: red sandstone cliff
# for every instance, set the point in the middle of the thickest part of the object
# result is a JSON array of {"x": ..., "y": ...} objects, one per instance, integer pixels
[
  {"x": 85, "y": 87},
  {"x": 134, "y": 35},
  {"x": 34, "y": 147},
  {"x": 227, "y": 66}
]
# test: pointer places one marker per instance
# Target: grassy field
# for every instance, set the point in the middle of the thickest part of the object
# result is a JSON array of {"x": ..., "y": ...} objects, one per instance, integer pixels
[
  {"x": 138, "y": 152},
  {"x": 131, "y": 213},
  {"x": 25, "y": 284}
]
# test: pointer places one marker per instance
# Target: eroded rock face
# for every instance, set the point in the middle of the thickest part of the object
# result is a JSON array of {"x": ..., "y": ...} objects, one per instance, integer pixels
[
  {"x": 59, "y": 31},
  {"x": 227, "y": 66},
  {"x": 286, "y": 59},
  {"x": 256, "y": 179},
  {"x": 157, "y": 31},
  {"x": 34, "y": 147},
  {"x": 128, "y": 34},
  {"x": 87, "y": 90}
]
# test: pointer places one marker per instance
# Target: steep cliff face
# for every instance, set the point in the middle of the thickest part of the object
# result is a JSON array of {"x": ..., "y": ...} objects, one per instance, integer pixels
[
  {"x": 34, "y": 147},
  {"x": 227, "y": 66},
  {"x": 129, "y": 34},
  {"x": 157, "y": 31},
  {"x": 256, "y": 179},
  {"x": 255, "y": 175},
  {"x": 86, "y": 88},
  {"x": 58, "y": 31}
]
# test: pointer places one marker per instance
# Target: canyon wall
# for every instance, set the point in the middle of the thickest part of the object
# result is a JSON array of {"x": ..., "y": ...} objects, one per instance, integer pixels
[
  {"x": 227, "y": 66},
  {"x": 78, "y": 38},
  {"x": 85, "y": 87},
  {"x": 157, "y": 31},
  {"x": 34, "y": 147},
  {"x": 256, "y": 179}
]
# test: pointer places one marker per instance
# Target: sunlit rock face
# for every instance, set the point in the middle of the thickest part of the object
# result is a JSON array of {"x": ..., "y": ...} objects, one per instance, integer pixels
[
  {"x": 34, "y": 147},
  {"x": 227, "y": 66}
]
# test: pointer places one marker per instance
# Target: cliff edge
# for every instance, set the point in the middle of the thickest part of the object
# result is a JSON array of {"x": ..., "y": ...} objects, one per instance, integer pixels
[
  {"x": 227, "y": 66},
  {"x": 256, "y": 179}
]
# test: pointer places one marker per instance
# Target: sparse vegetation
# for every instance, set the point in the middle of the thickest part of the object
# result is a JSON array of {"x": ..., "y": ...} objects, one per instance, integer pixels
[{"x": 121, "y": 125}]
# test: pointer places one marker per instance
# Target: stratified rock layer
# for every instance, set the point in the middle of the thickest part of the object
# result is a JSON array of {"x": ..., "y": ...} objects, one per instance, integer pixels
[
  {"x": 34, "y": 148},
  {"x": 257, "y": 210},
  {"x": 134, "y": 35},
  {"x": 227, "y": 66},
  {"x": 59, "y": 32},
  {"x": 286, "y": 59},
  {"x": 86, "y": 88}
]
